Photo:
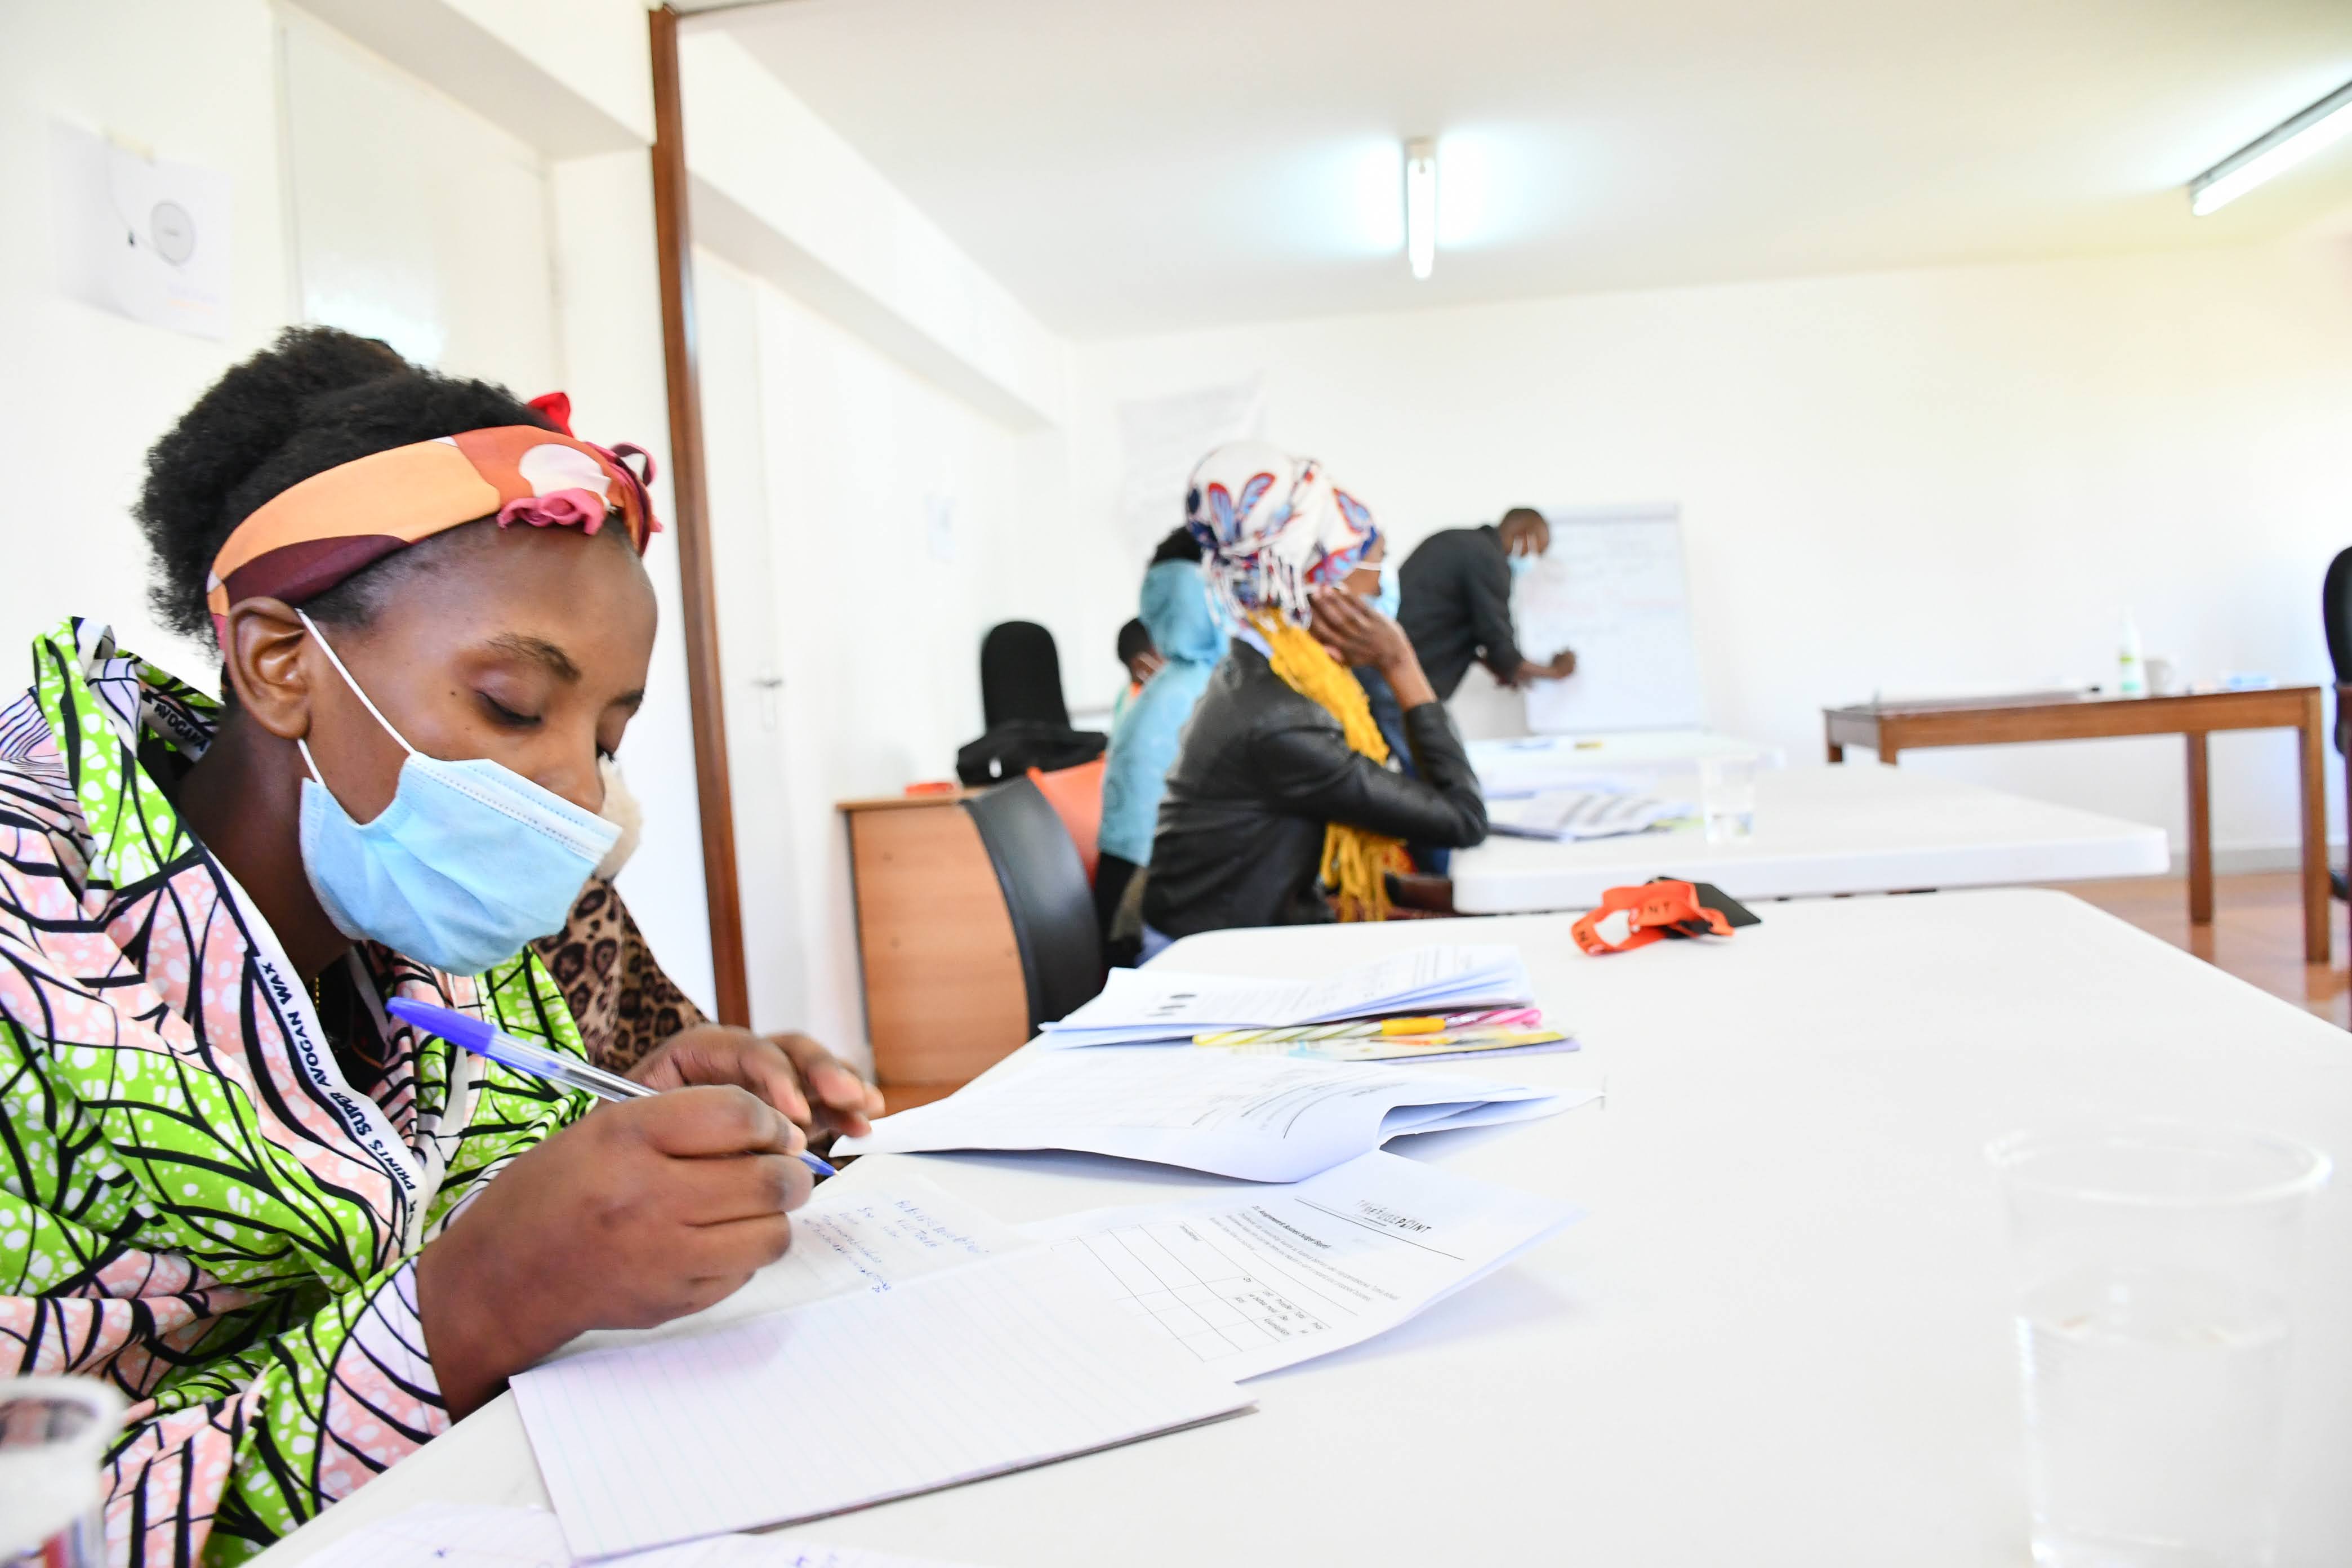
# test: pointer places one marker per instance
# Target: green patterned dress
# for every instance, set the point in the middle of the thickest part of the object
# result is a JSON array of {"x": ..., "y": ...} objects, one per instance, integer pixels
[{"x": 198, "y": 1206}]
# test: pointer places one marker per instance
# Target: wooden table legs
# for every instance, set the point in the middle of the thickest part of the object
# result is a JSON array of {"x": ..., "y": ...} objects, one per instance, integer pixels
[
  {"x": 2201, "y": 833},
  {"x": 2312, "y": 800},
  {"x": 2310, "y": 748}
]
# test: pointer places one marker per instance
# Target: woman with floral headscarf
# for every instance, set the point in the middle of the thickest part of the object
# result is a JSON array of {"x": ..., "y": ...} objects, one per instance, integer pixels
[{"x": 1285, "y": 806}]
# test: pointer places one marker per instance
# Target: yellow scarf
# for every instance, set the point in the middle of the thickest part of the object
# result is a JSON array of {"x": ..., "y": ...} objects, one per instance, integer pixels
[{"x": 1354, "y": 858}]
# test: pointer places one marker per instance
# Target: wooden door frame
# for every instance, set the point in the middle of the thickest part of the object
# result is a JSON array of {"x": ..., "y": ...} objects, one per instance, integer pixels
[{"x": 690, "y": 525}]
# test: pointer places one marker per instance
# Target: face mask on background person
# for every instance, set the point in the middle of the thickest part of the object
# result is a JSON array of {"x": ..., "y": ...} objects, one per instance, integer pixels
[
  {"x": 1521, "y": 565},
  {"x": 470, "y": 860}
]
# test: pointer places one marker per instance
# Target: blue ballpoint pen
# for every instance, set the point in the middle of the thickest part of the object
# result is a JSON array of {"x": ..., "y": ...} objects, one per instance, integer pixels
[{"x": 486, "y": 1041}]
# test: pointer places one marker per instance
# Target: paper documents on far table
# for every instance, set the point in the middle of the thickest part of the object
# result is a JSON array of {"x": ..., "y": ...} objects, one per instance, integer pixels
[
  {"x": 1255, "y": 1280},
  {"x": 1264, "y": 1119},
  {"x": 1571, "y": 815},
  {"x": 480, "y": 1535},
  {"x": 852, "y": 1236},
  {"x": 961, "y": 1373},
  {"x": 1139, "y": 1005}
]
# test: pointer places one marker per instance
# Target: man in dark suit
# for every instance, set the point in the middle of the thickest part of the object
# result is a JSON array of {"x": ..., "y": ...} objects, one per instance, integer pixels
[{"x": 1457, "y": 601}]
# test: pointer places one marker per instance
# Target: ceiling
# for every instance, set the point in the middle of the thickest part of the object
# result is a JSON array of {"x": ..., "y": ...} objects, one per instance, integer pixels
[{"x": 1127, "y": 167}]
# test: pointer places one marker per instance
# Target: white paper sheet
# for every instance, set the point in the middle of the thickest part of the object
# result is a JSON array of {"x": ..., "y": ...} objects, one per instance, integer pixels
[
  {"x": 1571, "y": 815},
  {"x": 863, "y": 1237},
  {"x": 478, "y": 1535},
  {"x": 1143, "y": 1005},
  {"x": 1261, "y": 1118},
  {"x": 1611, "y": 587},
  {"x": 853, "y": 1400},
  {"x": 1253, "y": 1281}
]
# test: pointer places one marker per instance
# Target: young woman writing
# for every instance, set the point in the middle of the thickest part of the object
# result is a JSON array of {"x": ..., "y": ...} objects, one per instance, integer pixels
[{"x": 235, "y": 1188}]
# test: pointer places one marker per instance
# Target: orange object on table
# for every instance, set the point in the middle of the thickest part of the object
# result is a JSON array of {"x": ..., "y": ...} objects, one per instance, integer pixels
[{"x": 1636, "y": 917}]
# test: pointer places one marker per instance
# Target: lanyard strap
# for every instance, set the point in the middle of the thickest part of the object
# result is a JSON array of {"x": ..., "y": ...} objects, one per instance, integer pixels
[{"x": 362, "y": 1119}]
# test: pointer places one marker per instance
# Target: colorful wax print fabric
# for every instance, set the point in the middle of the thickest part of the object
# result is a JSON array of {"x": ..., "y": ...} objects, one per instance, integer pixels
[
  {"x": 1273, "y": 529},
  {"x": 195, "y": 1204}
]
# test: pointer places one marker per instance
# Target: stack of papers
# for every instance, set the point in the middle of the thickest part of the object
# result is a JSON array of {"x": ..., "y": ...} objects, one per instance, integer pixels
[
  {"x": 1264, "y": 1119},
  {"x": 1566, "y": 816},
  {"x": 480, "y": 1535},
  {"x": 855, "y": 1399},
  {"x": 1151, "y": 1006},
  {"x": 1393, "y": 1047},
  {"x": 1252, "y": 1281}
]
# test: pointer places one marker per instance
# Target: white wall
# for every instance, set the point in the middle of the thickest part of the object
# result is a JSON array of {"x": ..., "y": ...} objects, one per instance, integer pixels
[
  {"x": 1930, "y": 481},
  {"x": 84, "y": 392},
  {"x": 825, "y": 456}
]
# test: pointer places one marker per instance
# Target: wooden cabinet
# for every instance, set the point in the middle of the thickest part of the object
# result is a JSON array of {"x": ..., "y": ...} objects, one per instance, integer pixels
[{"x": 945, "y": 999}]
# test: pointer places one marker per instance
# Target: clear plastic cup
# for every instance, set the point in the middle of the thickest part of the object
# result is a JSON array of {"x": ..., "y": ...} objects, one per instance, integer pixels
[
  {"x": 1726, "y": 797},
  {"x": 54, "y": 1431},
  {"x": 2153, "y": 1265}
]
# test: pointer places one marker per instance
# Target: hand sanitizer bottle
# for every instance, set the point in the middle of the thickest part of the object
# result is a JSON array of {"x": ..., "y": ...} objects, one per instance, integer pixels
[{"x": 2131, "y": 674}]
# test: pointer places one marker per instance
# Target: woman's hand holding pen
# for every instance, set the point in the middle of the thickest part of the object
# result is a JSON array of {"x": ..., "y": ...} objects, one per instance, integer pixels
[
  {"x": 791, "y": 1072},
  {"x": 642, "y": 1212}
]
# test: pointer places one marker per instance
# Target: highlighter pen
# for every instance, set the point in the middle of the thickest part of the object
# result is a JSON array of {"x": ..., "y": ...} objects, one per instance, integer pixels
[{"x": 485, "y": 1040}]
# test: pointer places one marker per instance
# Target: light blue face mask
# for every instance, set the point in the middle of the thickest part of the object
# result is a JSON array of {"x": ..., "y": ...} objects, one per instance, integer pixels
[
  {"x": 1521, "y": 565},
  {"x": 1391, "y": 595},
  {"x": 470, "y": 860}
]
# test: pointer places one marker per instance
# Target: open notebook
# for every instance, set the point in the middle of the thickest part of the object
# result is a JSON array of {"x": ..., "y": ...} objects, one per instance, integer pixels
[{"x": 854, "y": 1399}]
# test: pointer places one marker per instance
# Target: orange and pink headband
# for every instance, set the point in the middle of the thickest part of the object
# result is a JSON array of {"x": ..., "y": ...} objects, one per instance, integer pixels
[{"x": 305, "y": 540}]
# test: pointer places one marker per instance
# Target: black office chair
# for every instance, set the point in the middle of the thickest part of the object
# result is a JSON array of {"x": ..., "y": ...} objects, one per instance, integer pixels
[
  {"x": 1021, "y": 676},
  {"x": 1047, "y": 894},
  {"x": 2336, "y": 618}
]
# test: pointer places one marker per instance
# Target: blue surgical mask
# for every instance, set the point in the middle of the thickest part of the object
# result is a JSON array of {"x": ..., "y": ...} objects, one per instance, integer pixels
[
  {"x": 470, "y": 860},
  {"x": 1521, "y": 565},
  {"x": 1392, "y": 594}
]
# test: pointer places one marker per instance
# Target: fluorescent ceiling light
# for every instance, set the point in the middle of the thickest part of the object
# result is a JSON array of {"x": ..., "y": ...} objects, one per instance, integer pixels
[
  {"x": 2273, "y": 155},
  {"x": 1420, "y": 204}
]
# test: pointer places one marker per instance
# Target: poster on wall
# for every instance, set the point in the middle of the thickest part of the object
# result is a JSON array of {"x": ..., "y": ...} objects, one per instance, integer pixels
[
  {"x": 1612, "y": 588},
  {"x": 1162, "y": 439},
  {"x": 141, "y": 237}
]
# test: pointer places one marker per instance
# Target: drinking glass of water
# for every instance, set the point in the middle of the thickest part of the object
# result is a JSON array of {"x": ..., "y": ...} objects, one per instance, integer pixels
[
  {"x": 2153, "y": 1265},
  {"x": 53, "y": 1432},
  {"x": 1726, "y": 797}
]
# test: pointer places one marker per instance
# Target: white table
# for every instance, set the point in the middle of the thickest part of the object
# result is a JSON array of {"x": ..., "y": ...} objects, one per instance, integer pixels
[
  {"x": 1780, "y": 1337},
  {"x": 1854, "y": 828}
]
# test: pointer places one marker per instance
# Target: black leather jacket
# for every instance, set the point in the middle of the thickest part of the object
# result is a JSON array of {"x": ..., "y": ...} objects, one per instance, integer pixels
[{"x": 1262, "y": 769}]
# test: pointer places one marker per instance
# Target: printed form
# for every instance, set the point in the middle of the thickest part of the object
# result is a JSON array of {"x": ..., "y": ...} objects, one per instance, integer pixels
[
  {"x": 847, "y": 1239},
  {"x": 480, "y": 1535},
  {"x": 1149, "y": 1004},
  {"x": 1255, "y": 1281},
  {"x": 1263, "y": 1118},
  {"x": 960, "y": 1373}
]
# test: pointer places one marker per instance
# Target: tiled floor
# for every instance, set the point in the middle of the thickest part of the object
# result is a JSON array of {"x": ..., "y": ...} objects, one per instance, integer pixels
[{"x": 2256, "y": 934}]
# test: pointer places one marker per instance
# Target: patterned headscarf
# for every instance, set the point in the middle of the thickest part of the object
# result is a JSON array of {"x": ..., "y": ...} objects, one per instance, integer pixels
[
  {"x": 310, "y": 536},
  {"x": 1274, "y": 527}
]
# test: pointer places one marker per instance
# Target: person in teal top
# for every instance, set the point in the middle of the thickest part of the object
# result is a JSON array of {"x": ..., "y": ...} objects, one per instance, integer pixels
[{"x": 1143, "y": 743}]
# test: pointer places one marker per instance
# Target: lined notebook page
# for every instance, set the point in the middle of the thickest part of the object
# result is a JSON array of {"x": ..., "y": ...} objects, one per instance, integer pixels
[{"x": 849, "y": 1401}]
